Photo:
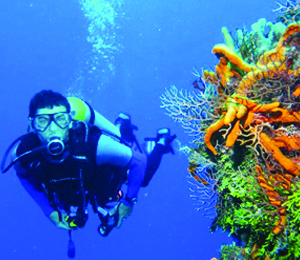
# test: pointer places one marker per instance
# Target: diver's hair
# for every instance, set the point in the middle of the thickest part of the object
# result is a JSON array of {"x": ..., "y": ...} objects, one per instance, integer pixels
[{"x": 47, "y": 98}]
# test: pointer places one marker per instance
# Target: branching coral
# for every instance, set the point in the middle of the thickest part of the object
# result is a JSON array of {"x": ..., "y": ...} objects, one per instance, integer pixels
[
  {"x": 245, "y": 125},
  {"x": 290, "y": 11}
]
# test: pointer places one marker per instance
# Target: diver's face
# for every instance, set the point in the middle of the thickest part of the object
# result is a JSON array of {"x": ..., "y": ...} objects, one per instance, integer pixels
[{"x": 53, "y": 130}]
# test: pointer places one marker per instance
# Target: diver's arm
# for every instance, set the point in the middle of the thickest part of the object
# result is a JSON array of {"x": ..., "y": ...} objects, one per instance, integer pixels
[
  {"x": 41, "y": 199},
  {"x": 38, "y": 196}
]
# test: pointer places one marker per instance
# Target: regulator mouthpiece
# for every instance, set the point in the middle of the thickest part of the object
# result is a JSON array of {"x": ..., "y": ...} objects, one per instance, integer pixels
[{"x": 55, "y": 146}]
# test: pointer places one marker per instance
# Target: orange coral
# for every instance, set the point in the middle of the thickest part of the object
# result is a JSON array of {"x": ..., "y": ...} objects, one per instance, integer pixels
[
  {"x": 213, "y": 128},
  {"x": 237, "y": 110},
  {"x": 285, "y": 162},
  {"x": 288, "y": 142},
  {"x": 277, "y": 55},
  {"x": 231, "y": 65},
  {"x": 273, "y": 196},
  {"x": 271, "y": 62},
  {"x": 233, "y": 135}
]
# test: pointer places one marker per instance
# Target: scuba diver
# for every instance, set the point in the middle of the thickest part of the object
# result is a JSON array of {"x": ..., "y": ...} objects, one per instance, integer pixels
[{"x": 73, "y": 156}]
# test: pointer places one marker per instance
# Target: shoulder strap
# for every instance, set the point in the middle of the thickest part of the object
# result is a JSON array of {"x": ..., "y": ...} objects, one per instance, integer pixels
[{"x": 78, "y": 140}]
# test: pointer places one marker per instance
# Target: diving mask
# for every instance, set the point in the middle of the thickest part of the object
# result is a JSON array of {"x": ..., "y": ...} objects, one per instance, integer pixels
[{"x": 41, "y": 122}]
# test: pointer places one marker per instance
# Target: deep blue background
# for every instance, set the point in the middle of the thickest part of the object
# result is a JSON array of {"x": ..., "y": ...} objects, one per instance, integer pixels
[{"x": 43, "y": 45}]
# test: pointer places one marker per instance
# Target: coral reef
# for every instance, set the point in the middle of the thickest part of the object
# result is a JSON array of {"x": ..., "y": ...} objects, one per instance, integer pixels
[{"x": 244, "y": 118}]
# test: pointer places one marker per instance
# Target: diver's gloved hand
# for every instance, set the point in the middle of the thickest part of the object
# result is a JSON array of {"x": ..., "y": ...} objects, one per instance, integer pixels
[
  {"x": 123, "y": 209},
  {"x": 59, "y": 221}
]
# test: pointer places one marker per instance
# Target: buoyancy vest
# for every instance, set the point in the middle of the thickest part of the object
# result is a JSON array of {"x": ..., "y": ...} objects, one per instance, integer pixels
[{"x": 77, "y": 179}]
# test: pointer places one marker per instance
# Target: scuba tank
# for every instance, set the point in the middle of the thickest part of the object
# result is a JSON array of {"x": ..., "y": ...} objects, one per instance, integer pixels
[{"x": 82, "y": 111}]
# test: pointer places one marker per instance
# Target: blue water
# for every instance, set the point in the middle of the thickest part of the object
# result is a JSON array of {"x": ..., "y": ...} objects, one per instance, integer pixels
[{"x": 43, "y": 46}]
